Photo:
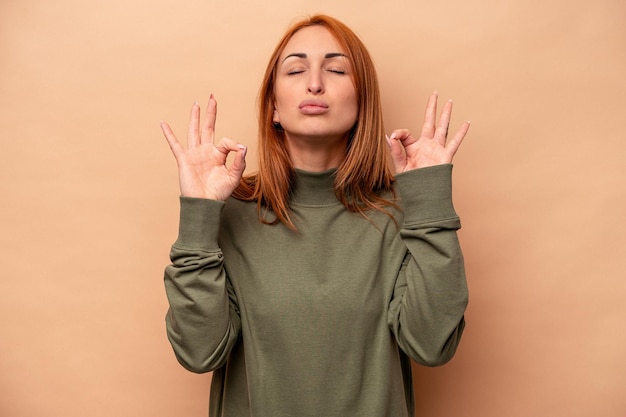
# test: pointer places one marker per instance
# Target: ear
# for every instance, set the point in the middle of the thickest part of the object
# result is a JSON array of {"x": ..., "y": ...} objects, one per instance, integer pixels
[{"x": 275, "y": 117}]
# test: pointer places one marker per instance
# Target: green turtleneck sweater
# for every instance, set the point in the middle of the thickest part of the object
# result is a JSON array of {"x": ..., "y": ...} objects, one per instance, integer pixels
[{"x": 322, "y": 321}]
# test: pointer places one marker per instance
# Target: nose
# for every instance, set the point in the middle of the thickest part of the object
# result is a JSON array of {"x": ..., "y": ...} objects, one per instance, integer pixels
[{"x": 315, "y": 84}]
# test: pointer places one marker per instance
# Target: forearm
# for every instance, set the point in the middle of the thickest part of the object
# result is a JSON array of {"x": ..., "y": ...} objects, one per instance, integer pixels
[
  {"x": 202, "y": 321},
  {"x": 431, "y": 295}
]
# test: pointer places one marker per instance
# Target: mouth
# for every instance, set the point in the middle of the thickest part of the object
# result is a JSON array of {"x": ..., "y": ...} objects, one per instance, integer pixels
[{"x": 313, "y": 107}]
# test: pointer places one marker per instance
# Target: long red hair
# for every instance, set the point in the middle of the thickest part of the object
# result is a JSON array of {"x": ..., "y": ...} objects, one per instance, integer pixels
[{"x": 363, "y": 176}]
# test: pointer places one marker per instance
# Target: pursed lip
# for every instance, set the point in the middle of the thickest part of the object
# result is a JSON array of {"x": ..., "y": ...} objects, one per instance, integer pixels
[{"x": 313, "y": 106}]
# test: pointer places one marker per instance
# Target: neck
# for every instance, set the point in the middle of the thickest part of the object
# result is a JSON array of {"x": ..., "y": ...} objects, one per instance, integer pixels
[
  {"x": 316, "y": 154},
  {"x": 314, "y": 188}
]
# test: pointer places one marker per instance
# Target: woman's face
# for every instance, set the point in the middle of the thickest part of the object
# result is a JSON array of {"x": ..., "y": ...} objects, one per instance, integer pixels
[{"x": 315, "y": 98}]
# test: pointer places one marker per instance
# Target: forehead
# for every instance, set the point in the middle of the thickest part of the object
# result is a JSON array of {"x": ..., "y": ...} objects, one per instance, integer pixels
[{"x": 312, "y": 39}]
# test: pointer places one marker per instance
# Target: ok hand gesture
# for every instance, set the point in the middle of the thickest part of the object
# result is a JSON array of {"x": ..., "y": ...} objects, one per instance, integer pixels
[
  {"x": 432, "y": 147},
  {"x": 202, "y": 169}
]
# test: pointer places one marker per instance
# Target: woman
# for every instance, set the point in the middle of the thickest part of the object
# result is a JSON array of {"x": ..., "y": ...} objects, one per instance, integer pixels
[{"x": 307, "y": 287}]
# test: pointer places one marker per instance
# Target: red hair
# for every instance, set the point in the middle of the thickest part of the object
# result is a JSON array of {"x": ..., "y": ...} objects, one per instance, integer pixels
[{"x": 364, "y": 174}]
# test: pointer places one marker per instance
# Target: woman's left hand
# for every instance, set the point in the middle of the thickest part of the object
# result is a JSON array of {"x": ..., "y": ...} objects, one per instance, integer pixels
[{"x": 432, "y": 147}]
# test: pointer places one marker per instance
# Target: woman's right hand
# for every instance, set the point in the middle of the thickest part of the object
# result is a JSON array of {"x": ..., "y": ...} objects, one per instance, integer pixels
[{"x": 202, "y": 169}]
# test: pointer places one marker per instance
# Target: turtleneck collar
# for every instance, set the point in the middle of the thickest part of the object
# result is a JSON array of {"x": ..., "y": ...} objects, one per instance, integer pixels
[{"x": 314, "y": 188}]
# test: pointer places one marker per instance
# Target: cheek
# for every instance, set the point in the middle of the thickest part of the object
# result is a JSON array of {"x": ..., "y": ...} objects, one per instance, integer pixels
[
  {"x": 282, "y": 100},
  {"x": 349, "y": 97},
  {"x": 279, "y": 103},
  {"x": 284, "y": 88},
  {"x": 350, "y": 102}
]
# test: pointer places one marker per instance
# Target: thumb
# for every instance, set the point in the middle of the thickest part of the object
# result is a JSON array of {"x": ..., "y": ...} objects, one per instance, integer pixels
[
  {"x": 397, "y": 153},
  {"x": 239, "y": 163}
]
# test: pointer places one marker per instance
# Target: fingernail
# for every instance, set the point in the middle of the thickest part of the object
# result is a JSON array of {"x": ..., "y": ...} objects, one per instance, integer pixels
[
  {"x": 388, "y": 140},
  {"x": 393, "y": 135},
  {"x": 244, "y": 150}
]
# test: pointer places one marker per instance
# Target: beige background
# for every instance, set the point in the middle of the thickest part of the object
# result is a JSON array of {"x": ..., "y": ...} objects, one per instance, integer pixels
[{"x": 89, "y": 190}]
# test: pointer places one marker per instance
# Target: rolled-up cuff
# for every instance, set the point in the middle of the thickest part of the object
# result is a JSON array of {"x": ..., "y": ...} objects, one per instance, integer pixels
[
  {"x": 199, "y": 223},
  {"x": 426, "y": 194}
]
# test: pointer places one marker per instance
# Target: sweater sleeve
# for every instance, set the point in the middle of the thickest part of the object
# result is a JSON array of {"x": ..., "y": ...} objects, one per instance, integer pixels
[
  {"x": 426, "y": 313},
  {"x": 203, "y": 321}
]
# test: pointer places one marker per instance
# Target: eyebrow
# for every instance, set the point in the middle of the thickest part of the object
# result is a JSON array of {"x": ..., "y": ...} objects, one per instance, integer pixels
[{"x": 304, "y": 56}]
